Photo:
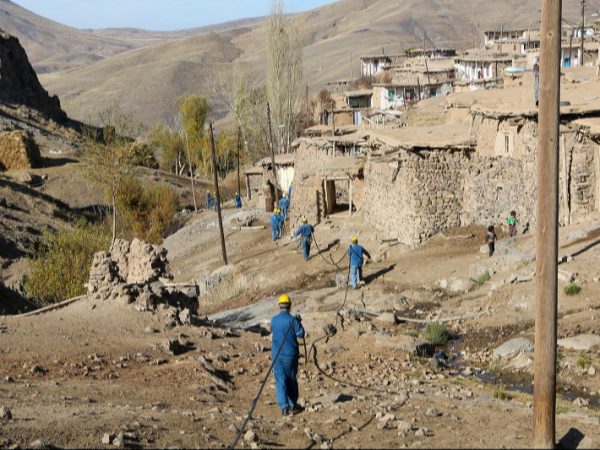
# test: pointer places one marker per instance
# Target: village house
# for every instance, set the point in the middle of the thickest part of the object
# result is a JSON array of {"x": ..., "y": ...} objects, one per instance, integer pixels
[
  {"x": 462, "y": 159},
  {"x": 259, "y": 179},
  {"x": 477, "y": 69},
  {"x": 372, "y": 65}
]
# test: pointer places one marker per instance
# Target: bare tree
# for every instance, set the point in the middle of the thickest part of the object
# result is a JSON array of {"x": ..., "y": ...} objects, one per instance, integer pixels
[
  {"x": 109, "y": 154},
  {"x": 284, "y": 76}
]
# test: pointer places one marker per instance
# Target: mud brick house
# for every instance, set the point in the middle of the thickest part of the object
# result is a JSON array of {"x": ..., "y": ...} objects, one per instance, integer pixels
[{"x": 467, "y": 158}]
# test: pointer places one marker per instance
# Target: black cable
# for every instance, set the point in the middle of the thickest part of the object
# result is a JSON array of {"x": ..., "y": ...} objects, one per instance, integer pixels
[{"x": 262, "y": 386}]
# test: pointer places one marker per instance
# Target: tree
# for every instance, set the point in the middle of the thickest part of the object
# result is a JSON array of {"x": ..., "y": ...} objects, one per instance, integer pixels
[
  {"x": 109, "y": 154},
  {"x": 171, "y": 148},
  {"x": 284, "y": 76},
  {"x": 192, "y": 111}
]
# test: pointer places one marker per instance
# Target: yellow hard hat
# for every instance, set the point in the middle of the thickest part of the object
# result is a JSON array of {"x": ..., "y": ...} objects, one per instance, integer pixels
[
  {"x": 284, "y": 300},
  {"x": 304, "y": 220},
  {"x": 354, "y": 239}
]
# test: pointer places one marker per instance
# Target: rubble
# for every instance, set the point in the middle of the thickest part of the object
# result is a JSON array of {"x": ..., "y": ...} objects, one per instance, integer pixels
[{"x": 135, "y": 273}]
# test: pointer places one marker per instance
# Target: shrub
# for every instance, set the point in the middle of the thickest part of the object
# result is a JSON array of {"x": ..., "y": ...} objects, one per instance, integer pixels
[
  {"x": 572, "y": 289},
  {"x": 62, "y": 265},
  {"x": 583, "y": 361},
  {"x": 484, "y": 279},
  {"x": 502, "y": 395},
  {"x": 436, "y": 333},
  {"x": 148, "y": 212}
]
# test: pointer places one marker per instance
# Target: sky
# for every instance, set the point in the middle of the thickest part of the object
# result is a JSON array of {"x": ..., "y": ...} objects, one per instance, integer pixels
[{"x": 156, "y": 14}]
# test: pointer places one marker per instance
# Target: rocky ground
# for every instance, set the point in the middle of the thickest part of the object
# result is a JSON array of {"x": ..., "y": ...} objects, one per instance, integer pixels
[{"x": 100, "y": 373}]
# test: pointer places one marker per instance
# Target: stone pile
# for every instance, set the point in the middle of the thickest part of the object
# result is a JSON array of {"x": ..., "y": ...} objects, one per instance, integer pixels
[{"x": 137, "y": 273}]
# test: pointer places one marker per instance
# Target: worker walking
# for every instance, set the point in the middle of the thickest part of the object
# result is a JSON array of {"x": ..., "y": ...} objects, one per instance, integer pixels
[
  {"x": 285, "y": 352},
  {"x": 281, "y": 223},
  {"x": 216, "y": 200},
  {"x": 238, "y": 200},
  {"x": 275, "y": 225},
  {"x": 284, "y": 204},
  {"x": 208, "y": 200},
  {"x": 356, "y": 253},
  {"x": 305, "y": 232}
]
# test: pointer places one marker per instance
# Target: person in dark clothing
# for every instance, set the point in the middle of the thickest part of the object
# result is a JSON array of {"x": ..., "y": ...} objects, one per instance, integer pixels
[
  {"x": 286, "y": 329},
  {"x": 356, "y": 253},
  {"x": 491, "y": 240},
  {"x": 238, "y": 200},
  {"x": 208, "y": 200}
]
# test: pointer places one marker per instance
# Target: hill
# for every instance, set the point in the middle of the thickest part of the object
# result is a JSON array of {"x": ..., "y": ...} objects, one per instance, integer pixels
[{"x": 147, "y": 79}]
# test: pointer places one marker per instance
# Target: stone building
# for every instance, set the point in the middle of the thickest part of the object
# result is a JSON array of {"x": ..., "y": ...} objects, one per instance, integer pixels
[
  {"x": 469, "y": 158},
  {"x": 259, "y": 179}
]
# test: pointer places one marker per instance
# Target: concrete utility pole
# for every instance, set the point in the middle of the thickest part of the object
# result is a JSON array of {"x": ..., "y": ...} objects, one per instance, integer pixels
[
  {"x": 216, "y": 180},
  {"x": 272, "y": 155},
  {"x": 546, "y": 295},
  {"x": 582, "y": 30}
]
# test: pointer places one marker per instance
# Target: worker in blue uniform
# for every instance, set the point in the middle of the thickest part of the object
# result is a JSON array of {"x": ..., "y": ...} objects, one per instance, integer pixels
[
  {"x": 356, "y": 253},
  {"x": 216, "y": 200},
  {"x": 305, "y": 232},
  {"x": 286, "y": 329},
  {"x": 208, "y": 200},
  {"x": 284, "y": 205},
  {"x": 281, "y": 222},
  {"x": 238, "y": 200},
  {"x": 275, "y": 226}
]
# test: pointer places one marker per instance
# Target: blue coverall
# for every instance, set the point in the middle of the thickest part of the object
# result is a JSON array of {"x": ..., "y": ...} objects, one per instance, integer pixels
[
  {"x": 208, "y": 200},
  {"x": 286, "y": 365},
  {"x": 280, "y": 226},
  {"x": 305, "y": 232},
  {"x": 216, "y": 202},
  {"x": 238, "y": 201},
  {"x": 284, "y": 204},
  {"x": 356, "y": 252},
  {"x": 274, "y": 226}
]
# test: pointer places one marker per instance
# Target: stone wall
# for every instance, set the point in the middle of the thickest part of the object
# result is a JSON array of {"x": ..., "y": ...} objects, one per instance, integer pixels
[
  {"x": 416, "y": 195},
  {"x": 18, "y": 151}
]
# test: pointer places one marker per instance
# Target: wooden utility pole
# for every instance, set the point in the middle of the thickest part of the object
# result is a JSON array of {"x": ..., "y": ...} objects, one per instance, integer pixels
[
  {"x": 546, "y": 295},
  {"x": 333, "y": 130},
  {"x": 218, "y": 199},
  {"x": 272, "y": 155},
  {"x": 239, "y": 143},
  {"x": 582, "y": 30}
]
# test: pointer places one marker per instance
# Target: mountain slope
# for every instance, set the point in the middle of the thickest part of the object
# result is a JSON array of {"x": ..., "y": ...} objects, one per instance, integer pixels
[{"x": 147, "y": 80}]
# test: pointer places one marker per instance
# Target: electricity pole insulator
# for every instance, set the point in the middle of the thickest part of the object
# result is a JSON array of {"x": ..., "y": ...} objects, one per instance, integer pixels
[{"x": 546, "y": 281}]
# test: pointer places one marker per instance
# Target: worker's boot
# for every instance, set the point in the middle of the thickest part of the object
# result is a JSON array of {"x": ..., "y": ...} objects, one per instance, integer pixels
[{"x": 285, "y": 412}]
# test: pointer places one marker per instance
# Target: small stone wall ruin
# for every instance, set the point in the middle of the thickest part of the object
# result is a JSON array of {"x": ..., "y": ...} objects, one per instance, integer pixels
[
  {"x": 137, "y": 273},
  {"x": 18, "y": 150}
]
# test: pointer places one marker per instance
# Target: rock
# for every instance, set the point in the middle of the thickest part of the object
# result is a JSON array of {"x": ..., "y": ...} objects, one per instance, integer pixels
[
  {"x": 108, "y": 438},
  {"x": 36, "y": 368},
  {"x": 340, "y": 279},
  {"x": 566, "y": 275},
  {"x": 432, "y": 412},
  {"x": 176, "y": 347},
  {"x": 520, "y": 362},
  {"x": 591, "y": 371},
  {"x": 513, "y": 347},
  {"x": 405, "y": 343},
  {"x": 150, "y": 330},
  {"x": 387, "y": 318},
  {"x": 5, "y": 413},
  {"x": 460, "y": 285},
  {"x": 119, "y": 441},
  {"x": 403, "y": 426},
  {"x": 581, "y": 402},
  {"x": 340, "y": 398},
  {"x": 423, "y": 432},
  {"x": 38, "y": 444},
  {"x": 250, "y": 436},
  {"x": 185, "y": 317},
  {"x": 582, "y": 342},
  {"x": 476, "y": 271},
  {"x": 9, "y": 379},
  {"x": 29, "y": 178}
]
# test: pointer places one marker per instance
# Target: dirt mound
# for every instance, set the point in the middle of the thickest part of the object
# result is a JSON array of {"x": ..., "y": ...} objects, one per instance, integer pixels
[{"x": 18, "y": 150}]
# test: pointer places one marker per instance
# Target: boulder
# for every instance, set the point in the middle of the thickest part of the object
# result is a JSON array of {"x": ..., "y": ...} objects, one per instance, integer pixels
[
  {"x": 460, "y": 285},
  {"x": 513, "y": 347},
  {"x": 582, "y": 342},
  {"x": 19, "y": 151},
  {"x": 405, "y": 343},
  {"x": 386, "y": 318}
]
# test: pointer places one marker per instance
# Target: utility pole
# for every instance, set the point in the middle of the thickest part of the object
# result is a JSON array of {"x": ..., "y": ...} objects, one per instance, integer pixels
[
  {"x": 546, "y": 283},
  {"x": 582, "y": 29},
  {"x": 216, "y": 180},
  {"x": 239, "y": 189},
  {"x": 273, "y": 155}
]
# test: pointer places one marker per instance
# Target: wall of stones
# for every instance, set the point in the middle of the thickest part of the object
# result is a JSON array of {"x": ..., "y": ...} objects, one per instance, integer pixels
[
  {"x": 416, "y": 196},
  {"x": 18, "y": 151}
]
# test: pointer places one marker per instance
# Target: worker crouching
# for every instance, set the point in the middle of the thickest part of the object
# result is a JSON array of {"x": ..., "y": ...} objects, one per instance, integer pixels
[{"x": 286, "y": 329}]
